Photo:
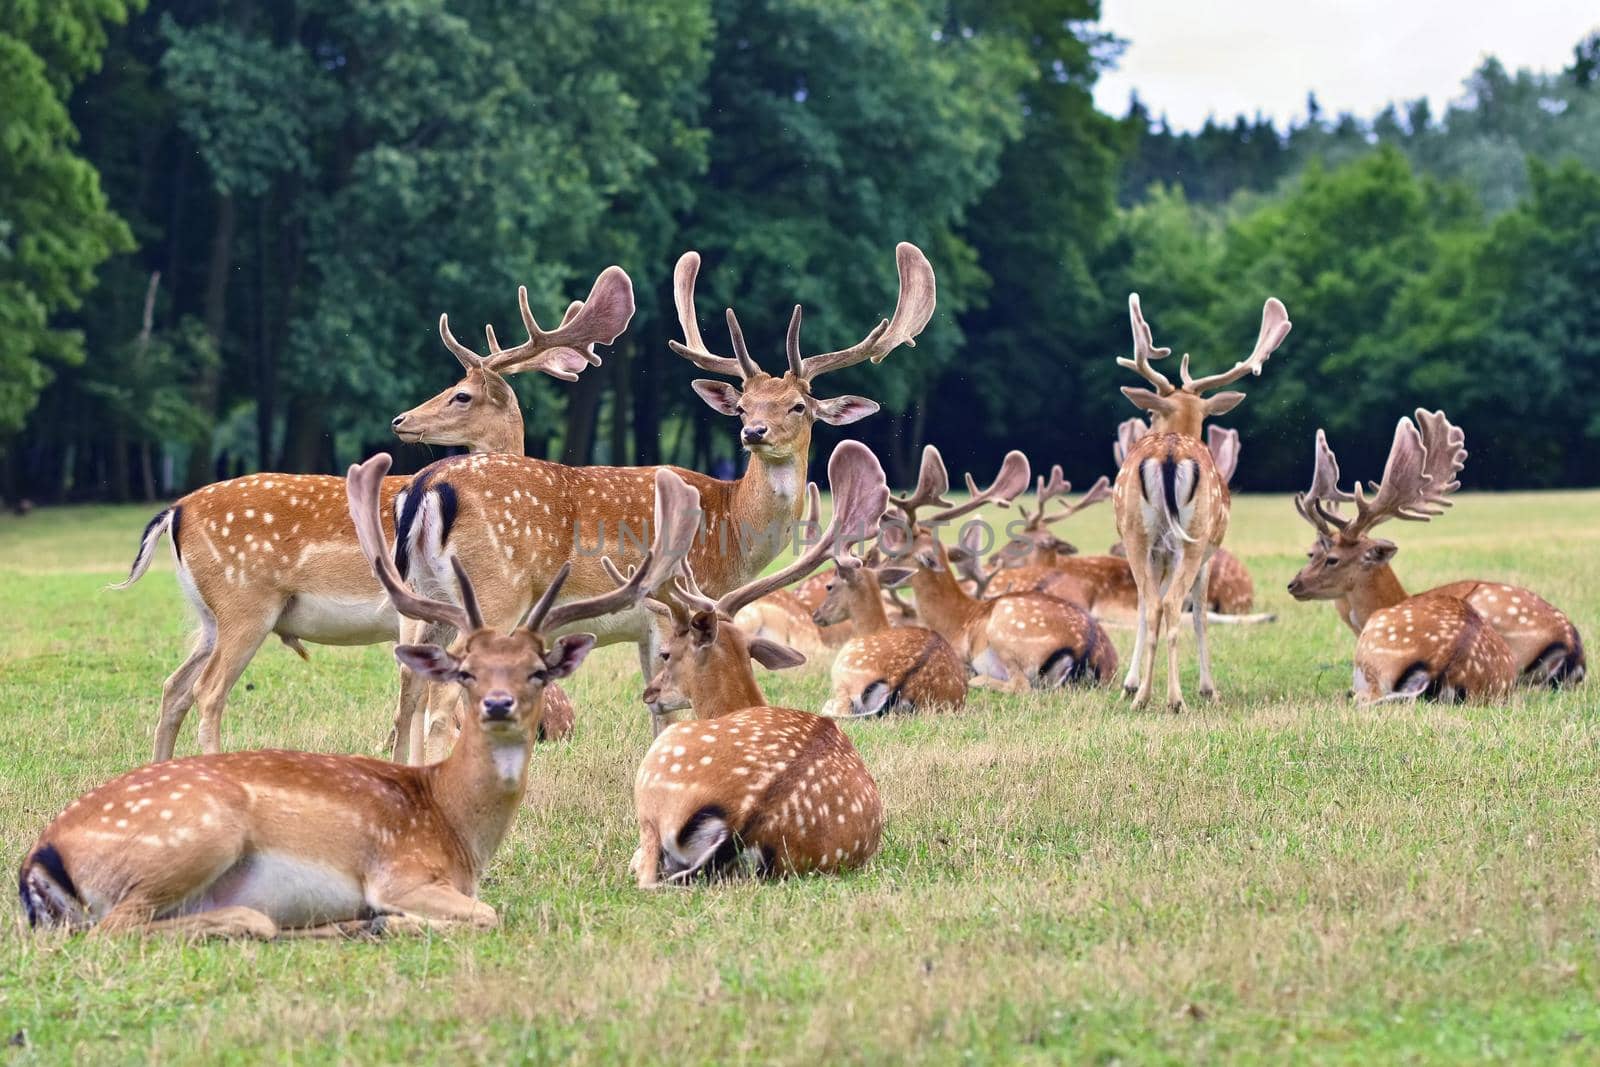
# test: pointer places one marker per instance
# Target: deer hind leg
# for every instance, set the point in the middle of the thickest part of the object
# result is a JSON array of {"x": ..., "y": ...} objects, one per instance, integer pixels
[
  {"x": 132, "y": 917},
  {"x": 177, "y": 693},
  {"x": 1130, "y": 681},
  {"x": 1208, "y": 687},
  {"x": 236, "y": 646},
  {"x": 1150, "y": 624},
  {"x": 1177, "y": 590}
]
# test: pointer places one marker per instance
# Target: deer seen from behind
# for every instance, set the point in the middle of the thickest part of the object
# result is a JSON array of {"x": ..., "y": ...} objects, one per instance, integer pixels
[
  {"x": 255, "y": 844},
  {"x": 780, "y": 787},
  {"x": 1425, "y": 644},
  {"x": 1171, "y": 502},
  {"x": 276, "y": 554}
]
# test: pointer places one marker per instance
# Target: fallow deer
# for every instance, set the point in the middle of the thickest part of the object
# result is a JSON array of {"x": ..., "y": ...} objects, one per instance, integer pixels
[
  {"x": 1171, "y": 503},
  {"x": 258, "y": 843},
  {"x": 744, "y": 779},
  {"x": 518, "y": 520},
  {"x": 1036, "y": 559},
  {"x": 1352, "y": 568},
  {"x": 884, "y": 668},
  {"x": 276, "y": 554},
  {"x": 1016, "y": 641}
]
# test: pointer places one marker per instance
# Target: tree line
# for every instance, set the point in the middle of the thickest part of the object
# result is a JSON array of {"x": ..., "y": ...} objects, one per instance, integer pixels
[{"x": 227, "y": 230}]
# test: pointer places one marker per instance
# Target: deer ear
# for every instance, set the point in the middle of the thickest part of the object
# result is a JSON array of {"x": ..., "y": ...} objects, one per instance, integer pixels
[
  {"x": 843, "y": 410},
  {"x": 720, "y": 395},
  {"x": 773, "y": 656},
  {"x": 1145, "y": 400},
  {"x": 429, "y": 661},
  {"x": 1378, "y": 553},
  {"x": 894, "y": 577},
  {"x": 1222, "y": 403},
  {"x": 703, "y": 628},
  {"x": 566, "y": 654}
]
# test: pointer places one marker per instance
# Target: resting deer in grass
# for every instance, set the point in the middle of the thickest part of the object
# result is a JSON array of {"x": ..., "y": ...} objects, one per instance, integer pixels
[
  {"x": 276, "y": 554},
  {"x": 1172, "y": 503},
  {"x": 1016, "y": 641},
  {"x": 1425, "y": 644},
  {"x": 517, "y": 521},
  {"x": 1035, "y": 559},
  {"x": 784, "y": 788},
  {"x": 258, "y": 843}
]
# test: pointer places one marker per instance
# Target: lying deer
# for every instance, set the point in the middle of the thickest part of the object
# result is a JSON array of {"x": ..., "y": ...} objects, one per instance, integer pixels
[
  {"x": 884, "y": 668},
  {"x": 258, "y": 843},
  {"x": 786, "y": 616},
  {"x": 276, "y": 554},
  {"x": 782, "y": 787},
  {"x": 1171, "y": 502},
  {"x": 517, "y": 521},
  {"x": 1016, "y": 641},
  {"x": 1352, "y": 568},
  {"x": 1035, "y": 559}
]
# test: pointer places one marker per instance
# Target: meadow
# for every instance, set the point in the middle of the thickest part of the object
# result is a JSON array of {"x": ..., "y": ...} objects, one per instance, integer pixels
[{"x": 1279, "y": 875}]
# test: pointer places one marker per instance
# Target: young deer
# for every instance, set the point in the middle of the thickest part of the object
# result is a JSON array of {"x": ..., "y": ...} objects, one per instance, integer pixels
[
  {"x": 782, "y": 787},
  {"x": 884, "y": 668},
  {"x": 254, "y": 843},
  {"x": 1172, "y": 504},
  {"x": 1016, "y": 641},
  {"x": 517, "y": 521},
  {"x": 1352, "y": 568},
  {"x": 276, "y": 554}
]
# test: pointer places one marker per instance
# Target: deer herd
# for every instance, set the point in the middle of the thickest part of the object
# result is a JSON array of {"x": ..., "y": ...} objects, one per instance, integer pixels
[{"x": 497, "y": 573}]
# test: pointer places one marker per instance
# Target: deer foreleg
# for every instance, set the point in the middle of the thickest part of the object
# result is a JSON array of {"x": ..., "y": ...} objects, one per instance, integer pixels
[{"x": 430, "y": 906}]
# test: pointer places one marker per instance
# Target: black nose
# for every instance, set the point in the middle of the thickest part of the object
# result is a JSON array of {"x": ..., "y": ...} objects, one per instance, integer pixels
[
  {"x": 753, "y": 434},
  {"x": 397, "y": 420},
  {"x": 496, "y": 707}
]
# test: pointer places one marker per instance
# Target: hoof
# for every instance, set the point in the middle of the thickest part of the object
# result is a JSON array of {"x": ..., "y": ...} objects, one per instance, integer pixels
[
  {"x": 1209, "y": 693},
  {"x": 1177, "y": 707}
]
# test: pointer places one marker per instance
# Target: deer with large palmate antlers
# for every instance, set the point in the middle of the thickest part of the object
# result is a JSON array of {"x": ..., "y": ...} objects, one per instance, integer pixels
[
  {"x": 1034, "y": 558},
  {"x": 1016, "y": 641},
  {"x": 258, "y": 843},
  {"x": 275, "y": 553},
  {"x": 1171, "y": 502},
  {"x": 744, "y": 779},
  {"x": 1352, "y": 568},
  {"x": 518, "y": 520}
]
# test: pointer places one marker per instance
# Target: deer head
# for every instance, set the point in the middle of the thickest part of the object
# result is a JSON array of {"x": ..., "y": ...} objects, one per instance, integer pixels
[
  {"x": 1035, "y": 542},
  {"x": 1424, "y": 460},
  {"x": 483, "y": 397},
  {"x": 1182, "y": 409},
  {"x": 914, "y": 538},
  {"x": 703, "y": 653},
  {"x": 776, "y": 414},
  {"x": 504, "y": 675}
]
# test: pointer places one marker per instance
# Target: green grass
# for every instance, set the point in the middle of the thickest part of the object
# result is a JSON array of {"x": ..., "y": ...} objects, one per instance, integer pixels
[{"x": 1279, "y": 876}]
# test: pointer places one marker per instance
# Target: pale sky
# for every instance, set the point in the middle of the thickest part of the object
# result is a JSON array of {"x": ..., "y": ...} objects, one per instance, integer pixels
[{"x": 1191, "y": 58}]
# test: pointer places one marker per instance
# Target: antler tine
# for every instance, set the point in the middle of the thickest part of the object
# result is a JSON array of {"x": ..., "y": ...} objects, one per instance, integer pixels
[
  {"x": 693, "y": 348},
  {"x": 1275, "y": 326},
  {"x": 1045, "y": 491},
  {"x": 363, "y": 484},
  {"x": 469, "y": 359},
  {"x": 933, "y": 482},
  {"x": 1447, "y": 455},
  {"x": 1145, "y": 350},
  {"x": 1099, "y": 491},
  {"x": 791, "y": 345},
  {"x": 1317, "y": 505},
  {"x": 677, "y": 519},
  {"x": 1409, "y": 490},
  {"x": 569, "y": 348},
  {"x": 747, "y": 366},
  {"x": 1010, "y": 483},
  {"x": 860, "y": 495},
  {"x": 1128, "y": 433},
  {"x": 912, "y": 310}
]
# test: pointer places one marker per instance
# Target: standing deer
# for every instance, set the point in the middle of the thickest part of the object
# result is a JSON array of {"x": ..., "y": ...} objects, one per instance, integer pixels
[
  {"x": 783, "y": 787},
  {"x": 1172, "y": 504},
  {"x": 276, "y": 554},
  {"x": 518, "y": 521},
  {"x": 258, "y": 843},
  {"x": 1352, "y": 568},
  {"x": 1016, "y": 641}
]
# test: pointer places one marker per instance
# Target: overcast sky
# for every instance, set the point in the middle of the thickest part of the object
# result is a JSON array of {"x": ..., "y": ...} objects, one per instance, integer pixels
[{"x": 1193, "y": 58}]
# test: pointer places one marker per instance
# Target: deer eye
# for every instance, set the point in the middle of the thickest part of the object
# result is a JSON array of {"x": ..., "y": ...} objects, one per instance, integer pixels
[
  {"x": 1332, "y": 561},
  {"x": 461, "y": 398},
  {"x": 464, "y": 678},
  {"x": 536, "y": 676},
  {"x": 665, "y": 655},
  {"x": 798, "y": 408}
]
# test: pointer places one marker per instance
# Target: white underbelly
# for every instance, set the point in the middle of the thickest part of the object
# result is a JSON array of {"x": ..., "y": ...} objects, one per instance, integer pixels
[
  {"x": 288, "y": 890},
  {"x": 326, "y": 620}
]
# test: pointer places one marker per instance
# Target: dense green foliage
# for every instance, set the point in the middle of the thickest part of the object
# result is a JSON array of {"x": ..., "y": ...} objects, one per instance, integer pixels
[{"x": 306, "y": 185}]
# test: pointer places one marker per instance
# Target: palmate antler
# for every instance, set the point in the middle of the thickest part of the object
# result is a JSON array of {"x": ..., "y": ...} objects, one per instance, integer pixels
[
  {"x": 913, "y": 309},
  {"x": 1275, "y": 326},
  {"x": 566, "y": 350},
  {"x": 1424, "y": 460}
]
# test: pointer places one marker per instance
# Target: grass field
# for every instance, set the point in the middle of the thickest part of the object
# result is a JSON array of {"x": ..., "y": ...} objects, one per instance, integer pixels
[{"x": 1277, "y": 876}]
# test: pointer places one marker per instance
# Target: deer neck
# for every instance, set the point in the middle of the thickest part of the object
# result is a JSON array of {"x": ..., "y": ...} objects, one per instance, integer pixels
[
  {"x": 866, "y": 608},
  {"x": 478, "y": 788},
  {"x": 941, "y": 603},
  {"x": 503, "y": 434},
  {"x": 767, "y": 500},
  {"x": 720, "y": 692},
  {"x": 1382, "y": 589}
]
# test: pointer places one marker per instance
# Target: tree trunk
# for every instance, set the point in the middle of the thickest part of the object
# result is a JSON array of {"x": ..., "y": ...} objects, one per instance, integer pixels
[
  {"x": 266, "y": 361},
  {"x": 118, "y": 475},
  {"x": 147, "y": 471},
  {"x": 621, "y": 403},
  {"x": 647, "y": 384},
  {"x": 583, "y": 406},
  {"x": 208, "y": 387},
  {"x": 305, "y": 438}
]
